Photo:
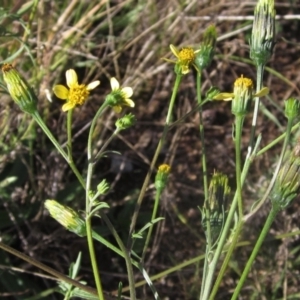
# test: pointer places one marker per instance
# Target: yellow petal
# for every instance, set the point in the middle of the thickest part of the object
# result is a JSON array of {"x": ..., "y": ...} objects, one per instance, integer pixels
[
  {"x": 224, "y": 96},
  {"x": 185, "y": 69},
  {"x": 128, "y": 92},
  {"x": 114, "y": 83},
  {"x": 169, "y": 60},
  {"x": 263, "y": 92},
  {"x": 61, "y": 91},
  {"x": 117, "y": 108},
  {"x": 174, "y": 50},
  {"x": 72, "y": 79},
  {"x": 67, "y": 106},
  {"x": 92, "y": 85},
  {"x": 129, "y": 102}
]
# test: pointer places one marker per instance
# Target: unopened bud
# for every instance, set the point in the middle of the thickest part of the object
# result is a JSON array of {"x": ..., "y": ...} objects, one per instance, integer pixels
[
  {"x": 19, "y": 89},
  {"x": 67, "y": 217}
]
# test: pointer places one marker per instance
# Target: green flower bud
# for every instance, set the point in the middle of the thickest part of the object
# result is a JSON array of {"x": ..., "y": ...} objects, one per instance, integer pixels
[
  {"x": 263, "y": 32},
  {"x": 287, "y": 184},
  {"x": 126, "y": 122},
  {"x": 206, "y": 52},
  {"x": 103, "y": 187},
  {"x": 215, "y": 206},
  {"x": 292, "y": 108},
  {"x": 67, "y": 217},
  {"x": 212, "y": 92},
  {"x": 19, "y": 89},
  {"x": 161, "y": 177}
]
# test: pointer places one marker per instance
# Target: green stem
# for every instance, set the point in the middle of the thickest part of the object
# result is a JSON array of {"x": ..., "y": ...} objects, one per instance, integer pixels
[
  {"x": 127, "y": 258},
  {"x": 88, "y": 205},
  {"x": 205, "y": 183},
  {"x": 154, "y": 213},
  {"x": 274, "y": 211},
  {"x": 47, "y": 269},
  {"x": 69, "y": 133},
  {"x": 106, "y": 243},
  {"x": 36, "y": 116},
  {"x": 93, "y": 257},
  {"x": 259, "y": 79},
  {"x": 237, "y": 201},
  {"x": 152, "y": 165},
  {"x": 283, "y": 150},
  {"x": 246, "y": 217},
  {"x": 205, "y": 270},
  {"x": 202, "y": 137},
  {"x": 277, "y": 140},
  {"x": 107, "y": 142},
  {"x": 225, "y": 230},
  {"x": 238, "y": 161}
]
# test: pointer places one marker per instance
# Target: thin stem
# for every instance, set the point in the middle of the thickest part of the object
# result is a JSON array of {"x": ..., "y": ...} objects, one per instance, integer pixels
[
  {"x": 205, "y": 270},
  {"x": 274, "y": 211},
  {"x": 106, "y": 143},
  {"x": 153, "y": 162},
  {"x": 47, "y": 269},
  {"x": 202, "y": 137},
  {"x": 69, "y": 133},
  {"x": 227, "y": 258},
  {"x": 265, "y": 197},
  {"x": 127, "y": 258},
  {"x": 246, "y": 217},
  {"x": 46, "y": 130},
  {"x": 277, "y": 140},
  {"x": 238, "y": 228},
  {"x": 259, "y": 79},
  {"x": 154, "y": 213},
  {"x": 213, "y": 264},
  {"x": 238, "y": 161},
  {"x": 93, "y": 257},
  {"x": 88, "y": 205}
]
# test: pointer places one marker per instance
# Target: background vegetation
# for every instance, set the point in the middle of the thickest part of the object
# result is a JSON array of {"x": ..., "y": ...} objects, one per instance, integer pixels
[{"x": 127, "y": 39}]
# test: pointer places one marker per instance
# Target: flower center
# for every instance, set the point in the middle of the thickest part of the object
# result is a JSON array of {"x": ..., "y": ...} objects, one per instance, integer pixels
[
  {"x": 78, "y": 94},
  {"x": 243, "y": 83},
  {"x": 187, "y": 55}
]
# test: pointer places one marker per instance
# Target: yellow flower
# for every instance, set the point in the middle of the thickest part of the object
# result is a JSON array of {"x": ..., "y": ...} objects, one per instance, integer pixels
[
  {"x": 242, "y": 95},
  {"x": 241, "y": 84},
  {"x": 119, "y": 97},
  {"x": 185, "y": 58},
  {"x": 164, "y": 168},
  {"x": 76, "y": 94}
]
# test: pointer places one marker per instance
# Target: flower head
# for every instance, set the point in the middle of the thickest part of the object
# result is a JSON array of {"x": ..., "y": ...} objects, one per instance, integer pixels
[
  {"x": 162, "y": 176},
  {"x": 66, "y": 216},
  {"x": 263, "y": 32},
  {"x": 287, "y": 184},
  {"x": 125, "y": 122},
  {"x": 242, "y": 95},
  {"x": 76, "y": 94},
  {"x": 185, "y": 59},
  {"x": 214, "y": 208},
  {"x": 119, "y": 97},
  {"x": 207, "y": 47},
  {"x": 19, "y": 89},
  {"x": 292, "y": 108}
]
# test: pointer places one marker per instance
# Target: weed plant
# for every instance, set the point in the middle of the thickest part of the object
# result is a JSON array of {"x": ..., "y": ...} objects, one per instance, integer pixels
[{"x": 85, "y": 77}]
